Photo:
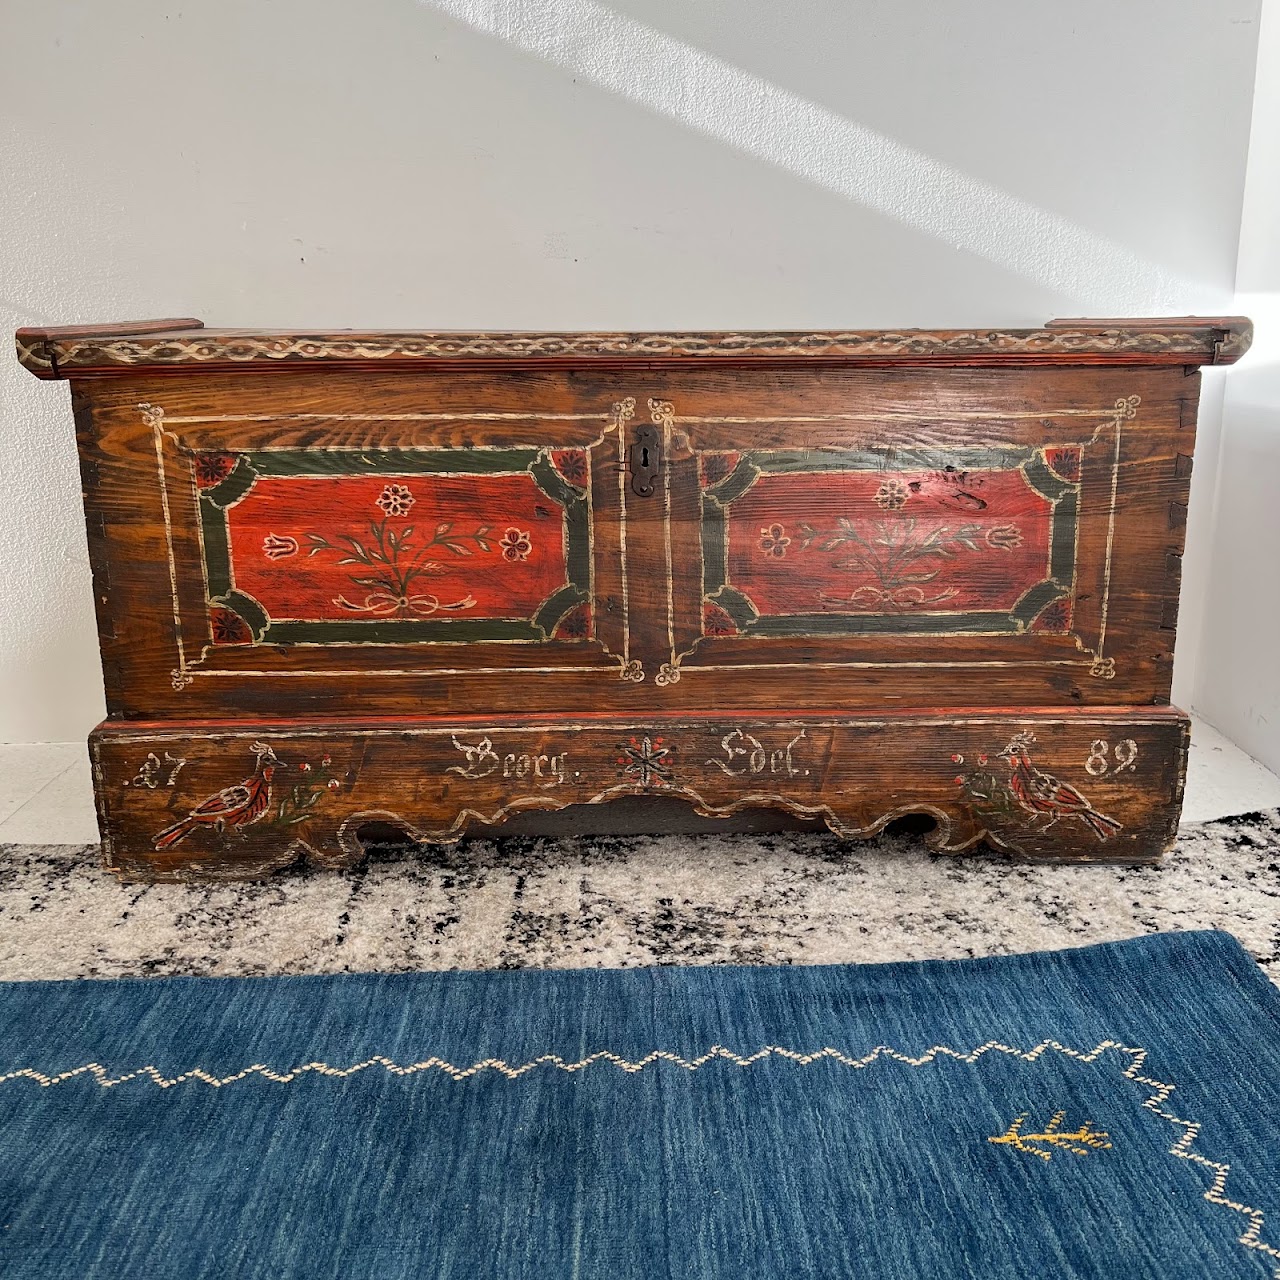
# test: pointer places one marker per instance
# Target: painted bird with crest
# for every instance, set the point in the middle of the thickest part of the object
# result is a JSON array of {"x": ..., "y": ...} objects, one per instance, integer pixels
[
  {"x": 233, "y": 807},
  {"x": 1039, "y": 792}
]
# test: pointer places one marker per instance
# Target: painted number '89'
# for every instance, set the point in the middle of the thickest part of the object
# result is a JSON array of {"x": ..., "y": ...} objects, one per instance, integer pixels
[{"x": 1099, "y": 760}]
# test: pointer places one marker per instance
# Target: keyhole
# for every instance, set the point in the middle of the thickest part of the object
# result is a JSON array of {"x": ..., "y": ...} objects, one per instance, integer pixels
[{"x": 644, "y": 460}]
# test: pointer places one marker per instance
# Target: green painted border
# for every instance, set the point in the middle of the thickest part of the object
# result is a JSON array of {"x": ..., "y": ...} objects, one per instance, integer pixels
[
  {"x": 844, "y": 624},
  {"x": 716, "y": 500},
  {"x": 217, "y": 546},
  {"x": 1062, "y": 538},
  {"x": 401, "y": 631},
  {"x": 356, "y": 462},
  {"x": 997, "y": 458},
  {"x": 215, "y": 501}
]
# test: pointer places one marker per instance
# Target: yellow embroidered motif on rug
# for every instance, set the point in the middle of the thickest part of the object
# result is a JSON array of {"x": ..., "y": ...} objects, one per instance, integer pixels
[{"x": 1079, "y": 1141}]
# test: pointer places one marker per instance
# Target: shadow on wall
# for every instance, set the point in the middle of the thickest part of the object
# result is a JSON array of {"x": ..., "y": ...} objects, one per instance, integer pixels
[
  {"x": 482, "y": 163},
  {"x": 806, "y": 139}
]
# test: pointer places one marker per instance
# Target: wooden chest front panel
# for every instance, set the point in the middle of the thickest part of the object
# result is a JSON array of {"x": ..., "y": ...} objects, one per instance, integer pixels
[
  {"x": 302, "y": 541},
  {"x": 965, "y": 537},
  {"x": 346, "y": 544}
]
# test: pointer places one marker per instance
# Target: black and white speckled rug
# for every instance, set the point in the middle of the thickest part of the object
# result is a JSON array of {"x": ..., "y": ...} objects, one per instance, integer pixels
[{"x": 609, "y": 901}]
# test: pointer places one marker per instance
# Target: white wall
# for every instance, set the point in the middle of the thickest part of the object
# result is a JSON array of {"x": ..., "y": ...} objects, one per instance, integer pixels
[
  {"x": 656, "y": 163},
  {"x": 1237, "y": 684}
]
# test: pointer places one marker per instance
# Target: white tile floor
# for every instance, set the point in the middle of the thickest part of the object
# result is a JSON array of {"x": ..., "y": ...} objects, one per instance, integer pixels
[
  {"x": 1221, "y": 779},
  {"x": 46, "y": 798}
]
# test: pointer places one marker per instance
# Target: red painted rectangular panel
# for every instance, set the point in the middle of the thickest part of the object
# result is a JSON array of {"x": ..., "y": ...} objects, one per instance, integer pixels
[
  {"x": 327, "y": 548},
  {"x": 877, "y": 542}
]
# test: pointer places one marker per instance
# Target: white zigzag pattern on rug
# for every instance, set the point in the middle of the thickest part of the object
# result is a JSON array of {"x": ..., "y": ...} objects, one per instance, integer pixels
[{"x": 1182, "y": 1148}]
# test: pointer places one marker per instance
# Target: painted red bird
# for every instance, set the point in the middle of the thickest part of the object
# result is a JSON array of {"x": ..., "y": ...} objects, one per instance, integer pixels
[
  {"x": 1039, "y": 792},
  {"x": 235, "y": 806}
]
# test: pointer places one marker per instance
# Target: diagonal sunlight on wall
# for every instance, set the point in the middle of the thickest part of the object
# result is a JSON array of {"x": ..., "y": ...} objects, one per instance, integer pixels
[{"x": 724, "y": 102}]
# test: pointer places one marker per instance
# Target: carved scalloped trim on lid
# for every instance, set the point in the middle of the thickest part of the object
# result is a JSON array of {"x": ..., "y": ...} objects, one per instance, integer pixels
[{"x": 49, "y": 353}]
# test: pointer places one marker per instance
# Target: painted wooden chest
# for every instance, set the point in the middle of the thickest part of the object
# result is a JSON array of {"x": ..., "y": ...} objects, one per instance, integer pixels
[{"x": 428, "y": 580}]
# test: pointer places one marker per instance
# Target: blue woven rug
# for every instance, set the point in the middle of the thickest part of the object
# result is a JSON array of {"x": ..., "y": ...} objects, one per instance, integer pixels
[{"x": 1107, "y": 1111}]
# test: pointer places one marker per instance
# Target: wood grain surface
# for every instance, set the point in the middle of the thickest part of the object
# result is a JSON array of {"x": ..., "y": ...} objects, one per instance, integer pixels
[
  {"x": 185, "y": 345},
  {"x": 374, "y": 542},
  {"x": 649, "y": 562},
  {"x": 315, "y": 787}
]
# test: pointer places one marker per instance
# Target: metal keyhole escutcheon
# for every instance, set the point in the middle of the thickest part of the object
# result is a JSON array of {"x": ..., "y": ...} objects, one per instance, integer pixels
[{"x": 646, "y": 460}]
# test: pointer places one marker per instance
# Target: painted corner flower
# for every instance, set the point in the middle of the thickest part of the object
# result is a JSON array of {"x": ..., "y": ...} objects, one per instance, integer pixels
[
  {"x": 213, "y": 468},
  {"x": 228, "y": 627}
]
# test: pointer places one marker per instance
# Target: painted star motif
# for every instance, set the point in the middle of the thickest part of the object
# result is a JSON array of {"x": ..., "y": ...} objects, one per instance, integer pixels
[{"x": 646, "y": 760}]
